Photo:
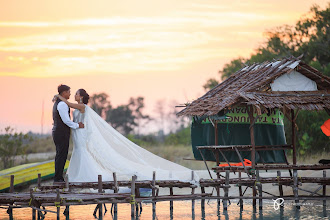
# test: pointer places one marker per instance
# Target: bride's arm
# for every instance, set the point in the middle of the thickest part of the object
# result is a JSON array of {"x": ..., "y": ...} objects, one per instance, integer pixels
[{"x": 80, "y": 107}]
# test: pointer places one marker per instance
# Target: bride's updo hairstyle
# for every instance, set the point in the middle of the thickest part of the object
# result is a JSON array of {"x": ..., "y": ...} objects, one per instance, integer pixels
[{"x": 84, "y": 94}]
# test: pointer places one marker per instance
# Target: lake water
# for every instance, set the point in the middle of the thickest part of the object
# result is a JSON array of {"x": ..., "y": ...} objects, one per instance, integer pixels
[{"x": 183, "y": 210}]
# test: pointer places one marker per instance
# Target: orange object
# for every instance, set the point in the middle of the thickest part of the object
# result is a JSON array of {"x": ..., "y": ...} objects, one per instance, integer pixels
[
  {"x": 326, "y": 127},
  {"x": 246, "y": 163}
]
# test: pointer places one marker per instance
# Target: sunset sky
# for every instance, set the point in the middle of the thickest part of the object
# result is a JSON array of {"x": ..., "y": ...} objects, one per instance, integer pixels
[{"x": 161, "y": 50}]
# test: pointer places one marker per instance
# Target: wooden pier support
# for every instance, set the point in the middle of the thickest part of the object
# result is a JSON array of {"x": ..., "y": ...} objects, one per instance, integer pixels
[
  {"x": 259, "y": 185},
  {"x": 58, "y": 204},
  {"x": 153, "y": 185},
  {"x": 100, "y": 190},
  {"x": 295, "y": 188},
  {"x": 192, "y": 195},
  {"x": 171, "y": 203},
  {"x": 226, "y": 189},
  {"x": 116, "y": 189},
  {"x": 324, "y": 189},
  {"x": 240, "y": 191},
  {"x": 133, "y": 198}
]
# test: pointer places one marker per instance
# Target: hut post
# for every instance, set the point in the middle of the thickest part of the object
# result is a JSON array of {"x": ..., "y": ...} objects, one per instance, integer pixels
[
  {"x": 253, "y": 152},
  {"x": 293, "y": 129},
  {"x": 216, "y": 142},
  {"x": 100, "y": 189},
  {"x": 280, "y": 187},
  {"x": 225, "y": 200}
]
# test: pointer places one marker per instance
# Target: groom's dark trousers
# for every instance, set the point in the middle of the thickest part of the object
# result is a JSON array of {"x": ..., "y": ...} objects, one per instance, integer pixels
[{"x": 61, "y": 137}]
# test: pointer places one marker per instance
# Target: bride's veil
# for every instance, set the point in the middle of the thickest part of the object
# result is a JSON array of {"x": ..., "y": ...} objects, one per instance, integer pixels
[{"x": 115, "y": 153}]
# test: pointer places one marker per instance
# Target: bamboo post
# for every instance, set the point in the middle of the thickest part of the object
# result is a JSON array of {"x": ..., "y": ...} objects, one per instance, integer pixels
[
  {"x": 133, "y": 197},
  {"x": 100, "y": 189},
  {"x": 294, "y": 153},
  {"x": 258, "y": 183},
  {"x": 116, "y": 191},
  {"x": 324, "y": 190},
  {"x": 192, "y": 195},
  {"x": 153, "y": 183},
  {"x": 253, "y": 152},
  {"x": 295, "y": 187},
  {"x": 39, "y": 179},
  {"x": 58, "y": 201},
  {"x": 32, "y": 199},
  {"x": 225, "y": 200},
  {"x": 240, "y": 191},
  {"x": 12, "y": 178}
]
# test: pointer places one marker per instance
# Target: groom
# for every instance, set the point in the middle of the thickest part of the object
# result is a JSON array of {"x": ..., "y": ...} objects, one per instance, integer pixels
[{"x": 61, "y": 131}]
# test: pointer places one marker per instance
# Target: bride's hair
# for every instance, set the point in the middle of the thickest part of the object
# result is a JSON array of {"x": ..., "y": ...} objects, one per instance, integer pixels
[{"x": 84, "y": 94}]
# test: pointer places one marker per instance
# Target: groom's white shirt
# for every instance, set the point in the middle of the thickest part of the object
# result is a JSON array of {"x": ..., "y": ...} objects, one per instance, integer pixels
[{"x": 63, "y": 110}]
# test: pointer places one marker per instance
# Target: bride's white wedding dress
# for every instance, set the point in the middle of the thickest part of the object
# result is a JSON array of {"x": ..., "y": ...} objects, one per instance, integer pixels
[{"x": 98, "y": 149}]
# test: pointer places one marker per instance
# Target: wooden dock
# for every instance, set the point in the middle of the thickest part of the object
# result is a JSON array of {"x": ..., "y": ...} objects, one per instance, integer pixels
[{"x": 68, "y": 194}]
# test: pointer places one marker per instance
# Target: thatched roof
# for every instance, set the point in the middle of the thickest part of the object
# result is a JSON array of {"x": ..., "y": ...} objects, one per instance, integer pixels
[{"x": 251, "y": 85}]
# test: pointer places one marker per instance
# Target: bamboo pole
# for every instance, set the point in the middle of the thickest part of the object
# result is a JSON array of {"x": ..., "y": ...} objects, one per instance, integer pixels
[{"x": 253, "y": 152}]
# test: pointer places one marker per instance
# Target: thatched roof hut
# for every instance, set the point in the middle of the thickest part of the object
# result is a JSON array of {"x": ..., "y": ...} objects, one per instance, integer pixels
[{"x": 252, "y": 85}]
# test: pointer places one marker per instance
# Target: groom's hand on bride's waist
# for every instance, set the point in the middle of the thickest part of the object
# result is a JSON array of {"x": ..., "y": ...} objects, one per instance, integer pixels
[{"x": 81, "y": 125}]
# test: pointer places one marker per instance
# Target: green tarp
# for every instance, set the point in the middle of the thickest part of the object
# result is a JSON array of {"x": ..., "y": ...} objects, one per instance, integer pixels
[{"x": 234, "y": 130}]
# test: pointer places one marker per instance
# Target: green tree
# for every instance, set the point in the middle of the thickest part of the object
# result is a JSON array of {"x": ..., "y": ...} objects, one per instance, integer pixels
[
  {"x": 11, "y": 145},
  {"x": 100, "y": 103},
  {"x": 210, "y": 84},
  {"x": 122, "y": 119}
]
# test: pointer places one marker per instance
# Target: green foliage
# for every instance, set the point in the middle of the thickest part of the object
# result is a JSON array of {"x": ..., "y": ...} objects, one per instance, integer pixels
[
  {"x": 210, "y": 84},
  {"x": 310, "y": 36},
  {"x": 122, "y": 118},
  {"x": 11, "y": 145},
  {"x": 181, "y": 137},
  {"x": 232, "y": 67},
  {"x": 100, "y": 103}
]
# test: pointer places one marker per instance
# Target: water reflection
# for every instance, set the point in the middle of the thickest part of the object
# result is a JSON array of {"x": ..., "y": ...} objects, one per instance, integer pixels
[{"x": 179, "y": 210}]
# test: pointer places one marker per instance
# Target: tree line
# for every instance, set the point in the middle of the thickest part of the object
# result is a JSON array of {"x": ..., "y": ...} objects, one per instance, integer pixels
[{"x": 310, "y": 36}]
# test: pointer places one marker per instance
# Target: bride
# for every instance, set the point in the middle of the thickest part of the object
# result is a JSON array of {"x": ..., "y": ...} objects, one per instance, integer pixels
[{"x": 99, "y": 149}]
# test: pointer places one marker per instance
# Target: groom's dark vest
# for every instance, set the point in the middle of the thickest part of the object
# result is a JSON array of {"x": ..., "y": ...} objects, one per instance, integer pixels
[{"x": 59, "y": 126}]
